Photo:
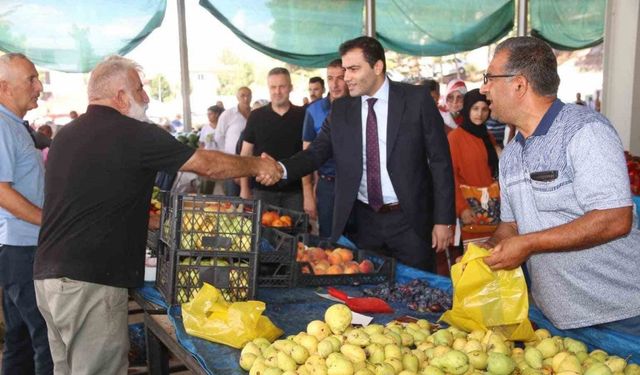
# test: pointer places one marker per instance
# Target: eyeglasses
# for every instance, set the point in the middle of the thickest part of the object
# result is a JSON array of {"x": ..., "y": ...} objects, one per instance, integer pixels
[{"x": 487, "y": 76}]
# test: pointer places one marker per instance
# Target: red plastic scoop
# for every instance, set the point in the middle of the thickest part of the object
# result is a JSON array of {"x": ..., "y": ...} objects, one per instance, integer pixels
[{"x": 361, "y": 304}]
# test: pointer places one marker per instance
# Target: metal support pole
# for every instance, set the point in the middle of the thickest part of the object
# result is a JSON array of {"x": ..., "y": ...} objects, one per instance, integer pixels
[
  {"x": 523, "y": 12},
  {"x": 370, "y": 18},
  {"x": 184, "y": 66}
]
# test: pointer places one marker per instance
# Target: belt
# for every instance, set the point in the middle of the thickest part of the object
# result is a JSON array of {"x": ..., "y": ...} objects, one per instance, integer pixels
[
  {"x": 328, "y": 178},
  {"x": 390, "y": 207}
]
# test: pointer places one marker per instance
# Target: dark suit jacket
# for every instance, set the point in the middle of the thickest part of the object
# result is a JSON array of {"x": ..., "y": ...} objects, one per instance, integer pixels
[{"x": 418, "y": 159}]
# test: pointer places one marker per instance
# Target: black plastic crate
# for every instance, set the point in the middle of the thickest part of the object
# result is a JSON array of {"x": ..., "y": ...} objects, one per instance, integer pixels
[
  {"x": 180, "y": 274},
  {"x": 277, "y": 257},
  {"x": 383, "y": 267},
  {"x": 208, "y": 238},
  {"x": 207, "y": 222},
  {"x": 299, "y": 220}
]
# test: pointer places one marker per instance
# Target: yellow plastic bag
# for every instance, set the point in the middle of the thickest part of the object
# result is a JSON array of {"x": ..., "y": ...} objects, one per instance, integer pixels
[
  {"x": 210, "y": 317},
  {"x": 485, "y": 299}
]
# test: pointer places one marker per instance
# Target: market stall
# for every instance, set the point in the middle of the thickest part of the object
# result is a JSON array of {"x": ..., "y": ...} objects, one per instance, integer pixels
[
  {"x": 294, "y": 309},
  {"x": 233, "y": 245}
]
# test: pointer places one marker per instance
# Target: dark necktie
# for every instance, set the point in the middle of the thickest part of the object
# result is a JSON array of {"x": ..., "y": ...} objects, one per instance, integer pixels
[
  {"x": 374, "y": 186},
  {"x": 30, "y": 131}
]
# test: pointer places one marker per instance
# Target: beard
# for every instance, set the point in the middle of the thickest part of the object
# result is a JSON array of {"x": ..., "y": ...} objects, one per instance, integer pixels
[{"x": 137, "y": 111}]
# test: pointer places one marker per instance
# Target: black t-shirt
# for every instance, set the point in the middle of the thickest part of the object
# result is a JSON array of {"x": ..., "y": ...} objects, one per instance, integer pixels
[
  {"x": 278, "y": 136},
  {"x": 98, "y": 186}
]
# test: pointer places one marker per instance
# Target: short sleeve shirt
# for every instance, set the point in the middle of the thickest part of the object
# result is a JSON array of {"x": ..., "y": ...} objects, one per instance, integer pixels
[
  {"x": 572, "y": 164},
  {"x": 278, "y": 136},
  {"x": 98, "y": 186},
  {"x": 230, "y": 125},
  {"x": 21, "y": 165}
]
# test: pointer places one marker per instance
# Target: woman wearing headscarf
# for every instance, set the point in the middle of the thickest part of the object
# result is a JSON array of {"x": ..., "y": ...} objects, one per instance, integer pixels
[
  {"x": 475, "y": 163},
  {"x": 450, "y": 110}
]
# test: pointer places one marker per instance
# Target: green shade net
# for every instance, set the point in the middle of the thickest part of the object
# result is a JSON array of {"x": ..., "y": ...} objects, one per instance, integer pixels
[
  {"x": 568, "y": 24},
  {"x": 301, "y": 32},
  {"x": 73, "y": 36},
  {"x": 437, "y": 28}
]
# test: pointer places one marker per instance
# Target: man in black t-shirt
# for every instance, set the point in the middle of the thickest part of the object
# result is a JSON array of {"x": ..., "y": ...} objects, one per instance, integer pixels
[
  {"x": 98, "y": 186},
  {"x": 275, "y": 129}
]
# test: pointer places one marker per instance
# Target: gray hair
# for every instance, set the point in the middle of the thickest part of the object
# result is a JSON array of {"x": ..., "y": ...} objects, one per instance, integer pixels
[
  {"x": 278, "y": 71},
  {"x": 5, "y": 63},
  {"x": 110, "y": 76},
  {"x": 534, "y": 59}
]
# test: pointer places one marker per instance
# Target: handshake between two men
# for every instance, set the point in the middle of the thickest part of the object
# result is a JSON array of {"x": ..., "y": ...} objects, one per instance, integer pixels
[{"x": 218, "y": 165}]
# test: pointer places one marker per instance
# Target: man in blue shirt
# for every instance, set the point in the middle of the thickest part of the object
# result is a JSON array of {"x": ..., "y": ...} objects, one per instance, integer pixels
[
  {"x": 318, "y": 202},
  {"x": 26, "y": 348},
  {"x": 565, "y": 202}
]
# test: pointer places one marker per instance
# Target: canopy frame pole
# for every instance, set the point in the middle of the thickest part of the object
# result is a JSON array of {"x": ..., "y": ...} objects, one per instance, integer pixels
[
  {"x": 184, "y": 66},
  {"x": 370, "y": 18},
  {"x": 523, "y": 13}
]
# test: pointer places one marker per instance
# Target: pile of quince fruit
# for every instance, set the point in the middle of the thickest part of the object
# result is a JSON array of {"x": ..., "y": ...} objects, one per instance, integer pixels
[
  {"x": 330, "y": 262},
  {"x": 335, "y": 347}
]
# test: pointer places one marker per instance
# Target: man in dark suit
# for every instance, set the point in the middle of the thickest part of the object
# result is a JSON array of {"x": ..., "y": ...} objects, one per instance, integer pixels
[{"x": 393, "y": 167}]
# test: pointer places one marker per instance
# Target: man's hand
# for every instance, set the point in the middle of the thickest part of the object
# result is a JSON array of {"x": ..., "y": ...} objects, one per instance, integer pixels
[
  {"x": 441, "y": 237},
  {"x": 467, "y": 217},
  {"x": 310, "y": 207},
  {"x": 270, "y": 170},
  {"x": 509, "y": 253}
]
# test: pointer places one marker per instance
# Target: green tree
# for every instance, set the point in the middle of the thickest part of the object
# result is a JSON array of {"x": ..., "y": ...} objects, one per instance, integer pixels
[
  {"x": 161, "y": 89},
  {"x": 233, "y": 74}
]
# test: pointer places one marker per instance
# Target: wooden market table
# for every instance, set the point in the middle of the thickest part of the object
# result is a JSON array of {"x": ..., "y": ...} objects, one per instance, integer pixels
[{"x": 161, "y": 339}]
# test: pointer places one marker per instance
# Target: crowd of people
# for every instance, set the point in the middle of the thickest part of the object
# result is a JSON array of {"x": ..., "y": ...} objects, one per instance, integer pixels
[{"x": 377, "y": 159}]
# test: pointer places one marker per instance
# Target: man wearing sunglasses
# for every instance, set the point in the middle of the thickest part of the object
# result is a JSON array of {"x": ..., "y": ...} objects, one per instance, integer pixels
[{"x": 566, "y": 205}]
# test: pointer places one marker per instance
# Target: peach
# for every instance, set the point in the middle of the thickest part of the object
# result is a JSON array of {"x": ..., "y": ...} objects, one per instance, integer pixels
[
  {"x": 268, "y": 217},
  {"x": 335, "y": 258},
  {"x": 366, "y": 266},
  {"x": 321, "y": 265},
  {"x": 278, "y": 223},
  {"x": 351, "y": 267},
  {"x": 316, "y": 253},
  {"x": 335, "y": 269},
  {"x": 302, "y": 255},
  {"x": 346, "y": 254},
  {"x": 286, "y": 220}
]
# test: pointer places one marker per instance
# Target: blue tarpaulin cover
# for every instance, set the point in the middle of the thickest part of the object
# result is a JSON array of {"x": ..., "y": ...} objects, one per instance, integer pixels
[{"x": 292, "y": 309}]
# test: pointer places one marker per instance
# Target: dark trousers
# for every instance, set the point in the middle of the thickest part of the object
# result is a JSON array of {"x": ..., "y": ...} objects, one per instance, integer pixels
[
  {"x": 391, "y": 234},
  {"x": 231, "y": 189},
  {"x": 629, "y": 326},
  {"x": 291, "y": 200},
  {"x": 26, "y": 347},
  {"x": 325, "y": 194}
]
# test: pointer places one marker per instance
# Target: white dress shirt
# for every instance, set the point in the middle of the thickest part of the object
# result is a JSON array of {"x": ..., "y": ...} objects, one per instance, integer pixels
[
  {"x": 230, "y": 125},
  {"x": 381, "y": 109}
]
